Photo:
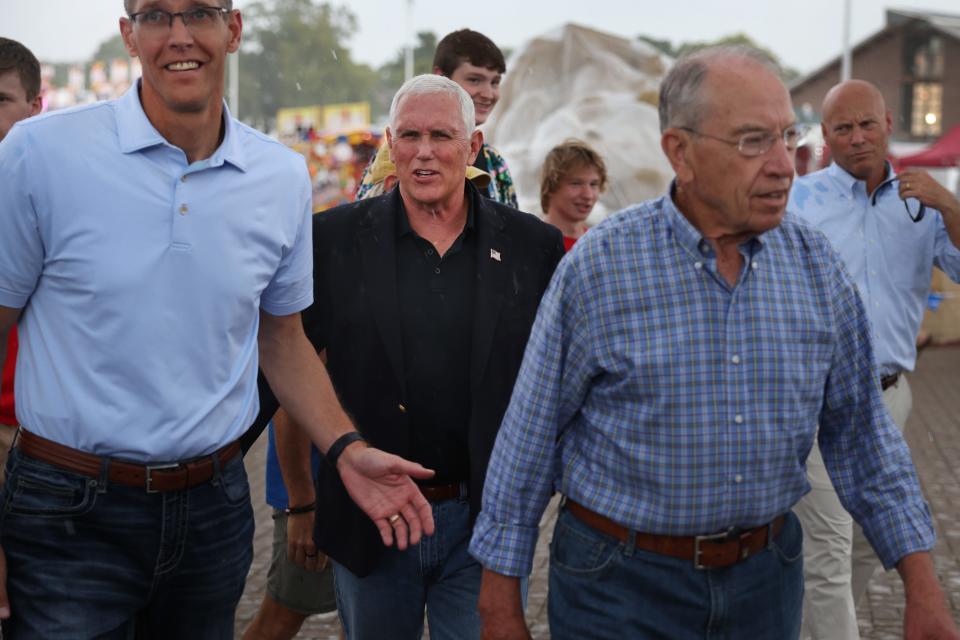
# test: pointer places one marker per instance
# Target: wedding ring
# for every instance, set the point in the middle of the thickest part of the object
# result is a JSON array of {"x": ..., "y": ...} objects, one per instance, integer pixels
[{"x": 394, "y": 519}]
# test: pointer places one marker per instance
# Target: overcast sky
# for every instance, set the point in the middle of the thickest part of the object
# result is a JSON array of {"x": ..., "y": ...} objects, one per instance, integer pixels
[{"x": 804, "y": 33}]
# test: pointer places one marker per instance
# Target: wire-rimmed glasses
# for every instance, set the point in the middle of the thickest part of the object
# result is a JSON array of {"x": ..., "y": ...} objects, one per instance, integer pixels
[{"x": 756, "y": 143}]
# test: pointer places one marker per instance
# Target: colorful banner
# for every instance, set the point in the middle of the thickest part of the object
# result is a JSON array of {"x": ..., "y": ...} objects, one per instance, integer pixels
[
  {"x": 297, "y": 121},
  {"x": 346, "y": 117}
]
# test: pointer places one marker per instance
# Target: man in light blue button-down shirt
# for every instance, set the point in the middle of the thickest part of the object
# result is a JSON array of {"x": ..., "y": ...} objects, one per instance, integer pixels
[
  {"x": 154, "y": 251},
  {"x": 890, "y": 230}
]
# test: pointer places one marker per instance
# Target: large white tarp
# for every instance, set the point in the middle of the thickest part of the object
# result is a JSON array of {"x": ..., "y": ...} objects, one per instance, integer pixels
[{"x": 576, "y": 82}]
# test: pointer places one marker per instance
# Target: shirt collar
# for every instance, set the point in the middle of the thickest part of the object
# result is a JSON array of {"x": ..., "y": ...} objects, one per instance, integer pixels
[
  {"x": 136, "y": 132},
  {"x": 849, "y": 182},
  {"x": 689, "y": 237},
  {"x": 403, "y": 222}
]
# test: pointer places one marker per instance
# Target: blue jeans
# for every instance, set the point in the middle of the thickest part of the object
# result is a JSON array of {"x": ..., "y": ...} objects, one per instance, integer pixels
[
  {"x": 602, "y": 588},
  {"x": 90, "y": 559},
  {"x": 437, "y": 573}
]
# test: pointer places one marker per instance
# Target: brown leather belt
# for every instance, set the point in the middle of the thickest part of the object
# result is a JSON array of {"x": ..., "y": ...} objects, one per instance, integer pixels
[
  {"x": 151, "y": 478},
  {"x": 706, "y": 552},
  {"x": 888, "y": 381},
  {"x": 441, "y": 492}
]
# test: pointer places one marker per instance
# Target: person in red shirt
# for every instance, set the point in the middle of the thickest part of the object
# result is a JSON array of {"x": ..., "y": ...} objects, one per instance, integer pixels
[
  {"x": 571, "y": 180},
  {"x": 19, "y": 99},
  {"x": 8, "y": 416}
]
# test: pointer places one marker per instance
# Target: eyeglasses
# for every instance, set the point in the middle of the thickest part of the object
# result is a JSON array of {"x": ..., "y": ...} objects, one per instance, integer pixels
[
  {"x": 915, "y": 208},
  {"x": 757, "y": 143},
  {"x": 195, "y": 19}
]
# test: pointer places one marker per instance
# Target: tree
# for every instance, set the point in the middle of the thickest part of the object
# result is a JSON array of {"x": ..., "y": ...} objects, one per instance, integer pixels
[
  {"x": 664, "y": 46},
  {"x": 390, "y": 75},
  {"x": 111, "y": 49},
  {"x": 294, "y": 54}
]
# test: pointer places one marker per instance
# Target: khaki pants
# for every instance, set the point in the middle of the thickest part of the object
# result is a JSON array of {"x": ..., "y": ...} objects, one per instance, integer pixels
[{"x": 838, "y": 562}]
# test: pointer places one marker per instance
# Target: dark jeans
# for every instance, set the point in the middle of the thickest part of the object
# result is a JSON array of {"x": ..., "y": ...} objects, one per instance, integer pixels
[
  {"x": 601, "y": 588},
  {"x": 437, "y": 573},
  {"x": 90, "y": 559}
]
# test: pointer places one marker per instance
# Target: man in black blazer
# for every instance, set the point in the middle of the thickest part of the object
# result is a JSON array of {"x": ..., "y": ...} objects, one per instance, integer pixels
[{"x": 424, "y": 299}]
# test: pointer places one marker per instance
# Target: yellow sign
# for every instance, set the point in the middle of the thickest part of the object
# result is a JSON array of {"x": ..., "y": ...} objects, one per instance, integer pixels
[
  {"x": 298, "y": 120},
  {"x": 346, "y": 117},
  {"x": 330, "y": 119}
]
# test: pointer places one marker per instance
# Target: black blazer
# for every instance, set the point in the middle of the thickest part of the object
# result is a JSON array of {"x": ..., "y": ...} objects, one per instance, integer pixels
[{"x": 355, "y": 318}]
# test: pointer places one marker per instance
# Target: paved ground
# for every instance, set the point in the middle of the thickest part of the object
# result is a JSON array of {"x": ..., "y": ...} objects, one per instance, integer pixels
[
  {"x": 934, "y": 436},
  {"x": 933, "y": 432}
]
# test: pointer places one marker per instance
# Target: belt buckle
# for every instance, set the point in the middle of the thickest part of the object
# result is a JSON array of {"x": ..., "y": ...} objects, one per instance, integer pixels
[
  {"x": 713, "y": 537},
  {"x": 157, "y": 467}
]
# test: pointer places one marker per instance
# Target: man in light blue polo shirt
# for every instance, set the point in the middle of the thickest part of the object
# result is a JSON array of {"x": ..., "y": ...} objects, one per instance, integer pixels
[
  {"x": 154, "y": 250},
  {"x": 890, "y": 230}
]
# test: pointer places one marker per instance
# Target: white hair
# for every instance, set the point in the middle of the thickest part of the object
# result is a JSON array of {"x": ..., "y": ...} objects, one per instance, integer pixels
[
  {"x": 682, "y": 99},
  {"x": 433, "y": 84}
]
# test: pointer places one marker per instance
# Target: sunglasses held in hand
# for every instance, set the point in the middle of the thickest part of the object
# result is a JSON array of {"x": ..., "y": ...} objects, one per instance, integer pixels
[{"x": 915, "y": 208}]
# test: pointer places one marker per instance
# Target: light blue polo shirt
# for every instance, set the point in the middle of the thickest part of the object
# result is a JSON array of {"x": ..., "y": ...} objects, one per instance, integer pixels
[
  {"x": 890, "y": 257},
  {"x": 141, "y": 277}
]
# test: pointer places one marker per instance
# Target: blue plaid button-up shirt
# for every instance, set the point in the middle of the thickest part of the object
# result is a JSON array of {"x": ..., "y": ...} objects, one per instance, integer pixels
[{"x": 656, "y": 394}]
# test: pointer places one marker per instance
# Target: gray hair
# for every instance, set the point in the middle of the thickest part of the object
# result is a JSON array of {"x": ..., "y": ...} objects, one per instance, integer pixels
[
  {"x": 432, "y": 84},
  {"x": 681, "y": 101},
  {"x": 128, "y": 5}
]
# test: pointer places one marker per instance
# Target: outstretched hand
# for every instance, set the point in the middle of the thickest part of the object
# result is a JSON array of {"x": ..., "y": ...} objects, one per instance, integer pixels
[{"x": 382, "y": 485}]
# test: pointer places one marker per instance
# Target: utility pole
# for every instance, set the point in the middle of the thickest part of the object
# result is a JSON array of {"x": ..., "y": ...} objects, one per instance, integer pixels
[
  {"x": 408, "y": 58},
  {"x": 845, "y": 69}
]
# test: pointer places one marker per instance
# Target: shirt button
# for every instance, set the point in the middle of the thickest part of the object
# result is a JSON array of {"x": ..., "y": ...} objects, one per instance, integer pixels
[
  {"x": 754, "y": 264},
  {"x": 183, "y": 209},
  {"x": 429, "y": 252},
  {"x": 738, "y": 478},
  {"x": 437, "y": 271},
  {"x": 698, "y": 265},
  {"x": 402, "y": 407},
  {"x": 735, "y": 359},
  {"x": 183, "y": 178},
  {"x": 738, "y": 419}
]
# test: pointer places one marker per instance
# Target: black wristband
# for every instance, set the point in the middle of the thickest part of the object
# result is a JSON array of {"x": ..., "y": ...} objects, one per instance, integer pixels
[
  {"x": 341, "y": 443},
  {"x": 292, "y": 511}
]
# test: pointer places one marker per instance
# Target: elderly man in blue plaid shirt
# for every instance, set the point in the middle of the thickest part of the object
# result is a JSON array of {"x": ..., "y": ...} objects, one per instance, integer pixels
[{"x": 681, "y": 360}]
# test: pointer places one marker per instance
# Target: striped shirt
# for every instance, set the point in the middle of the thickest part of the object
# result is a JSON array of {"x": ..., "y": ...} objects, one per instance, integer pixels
[{"x": 658, "y": 395}]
